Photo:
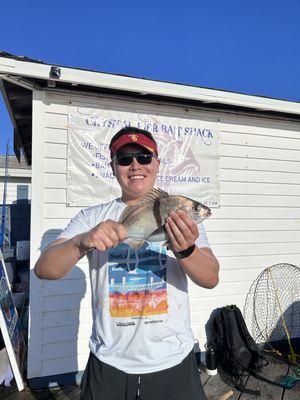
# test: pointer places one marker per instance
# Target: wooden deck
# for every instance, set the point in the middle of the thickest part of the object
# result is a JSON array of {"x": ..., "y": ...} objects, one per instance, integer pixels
[
  {"x": 275, "y": 370},
  {"x": 213, "y": 386}
]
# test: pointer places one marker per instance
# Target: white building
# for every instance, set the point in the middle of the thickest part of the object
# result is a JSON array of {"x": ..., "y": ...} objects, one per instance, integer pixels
[
  {"x": 18, "y": 181},
  {"x": 18, "y": 196},
  {"x": 256, "y": 225}
]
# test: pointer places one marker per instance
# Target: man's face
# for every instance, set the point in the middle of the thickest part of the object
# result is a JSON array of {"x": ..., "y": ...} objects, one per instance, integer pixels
[{"x": 136, "y": 180}]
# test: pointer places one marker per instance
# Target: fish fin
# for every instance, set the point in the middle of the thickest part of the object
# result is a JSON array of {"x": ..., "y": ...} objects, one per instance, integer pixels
[
  {"x": 158, "y": 235},
  {"x": 134, "y": 243},
  {"x": 154, "y": 194}
]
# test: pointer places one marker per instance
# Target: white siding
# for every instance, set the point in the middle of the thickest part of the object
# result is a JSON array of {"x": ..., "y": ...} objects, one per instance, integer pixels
[
  {"x": 62, "y": 322},
  {"x": 14, "y": 184},
  {"x": 36, "y": 234},
  {"x": 257, "y": 225}
]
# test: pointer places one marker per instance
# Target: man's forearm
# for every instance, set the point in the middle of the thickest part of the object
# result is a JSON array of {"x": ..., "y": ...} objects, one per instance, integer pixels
[
  {"x": 202, "y": 267},
  {"x": 59, "y": 258}
]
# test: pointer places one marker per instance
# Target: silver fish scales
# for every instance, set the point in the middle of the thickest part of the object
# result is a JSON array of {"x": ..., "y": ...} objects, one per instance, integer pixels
[{"x": 145, "y": 220}]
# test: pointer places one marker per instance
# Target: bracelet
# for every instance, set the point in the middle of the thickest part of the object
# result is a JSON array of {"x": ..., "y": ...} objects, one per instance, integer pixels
[{"x": 185, "y": 253}]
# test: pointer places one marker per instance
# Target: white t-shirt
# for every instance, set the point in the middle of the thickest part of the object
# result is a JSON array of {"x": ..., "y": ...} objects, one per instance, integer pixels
[{"x": 141, "y": 316}]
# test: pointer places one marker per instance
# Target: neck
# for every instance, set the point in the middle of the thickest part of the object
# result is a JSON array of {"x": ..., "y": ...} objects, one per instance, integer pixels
[{"x": 130, "y": 202}]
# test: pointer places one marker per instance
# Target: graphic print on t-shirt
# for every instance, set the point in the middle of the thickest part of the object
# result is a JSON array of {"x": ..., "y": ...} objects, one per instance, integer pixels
[{"x": 137, "y": 280}]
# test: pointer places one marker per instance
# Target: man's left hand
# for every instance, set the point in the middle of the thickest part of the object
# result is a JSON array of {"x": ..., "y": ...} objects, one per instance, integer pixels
[{"x": 182, "y": 230}]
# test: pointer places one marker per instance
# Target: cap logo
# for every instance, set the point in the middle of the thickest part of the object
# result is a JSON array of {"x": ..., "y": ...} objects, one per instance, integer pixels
[{"x": 133, "y": 137}]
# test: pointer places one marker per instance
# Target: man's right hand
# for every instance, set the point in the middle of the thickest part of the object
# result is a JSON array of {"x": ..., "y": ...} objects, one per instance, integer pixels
[
  {"x": 61, "y": 255},
  {"x": 103, "y": 236}
]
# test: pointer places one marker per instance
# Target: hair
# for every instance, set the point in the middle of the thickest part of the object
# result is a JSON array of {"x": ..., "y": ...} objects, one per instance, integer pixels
[{"x": 129, "y": 129}]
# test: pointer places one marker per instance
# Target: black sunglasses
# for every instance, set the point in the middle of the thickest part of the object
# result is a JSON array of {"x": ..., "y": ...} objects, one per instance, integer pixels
[{"x": 127, "y": 159}]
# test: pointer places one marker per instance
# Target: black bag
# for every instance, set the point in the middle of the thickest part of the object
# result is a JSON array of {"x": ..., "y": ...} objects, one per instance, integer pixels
[{"x": 237, "y": 353}]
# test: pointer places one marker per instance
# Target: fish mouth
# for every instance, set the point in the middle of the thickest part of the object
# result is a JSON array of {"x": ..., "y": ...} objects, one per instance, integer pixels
[
  {"x": 208, "y": 213},
  {"x": 204, "y": 212}
]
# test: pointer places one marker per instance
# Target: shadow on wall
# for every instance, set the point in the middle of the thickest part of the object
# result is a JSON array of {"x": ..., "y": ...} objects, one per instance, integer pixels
[{"x": 60, "y": 319}]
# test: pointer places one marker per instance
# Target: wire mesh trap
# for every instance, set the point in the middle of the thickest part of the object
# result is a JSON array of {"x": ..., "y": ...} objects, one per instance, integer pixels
[{"x": 272, "y": 311}]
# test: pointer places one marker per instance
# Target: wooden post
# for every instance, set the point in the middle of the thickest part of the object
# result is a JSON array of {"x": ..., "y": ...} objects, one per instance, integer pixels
[{"x": 226, "y": 395}]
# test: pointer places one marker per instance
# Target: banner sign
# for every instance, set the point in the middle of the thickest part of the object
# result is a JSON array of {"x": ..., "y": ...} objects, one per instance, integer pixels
[
  {"x": 188, "y": 153},
  {"x": 10, "y": 327}
]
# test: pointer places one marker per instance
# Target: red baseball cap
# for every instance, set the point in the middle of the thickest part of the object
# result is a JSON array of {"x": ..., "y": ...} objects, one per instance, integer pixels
[{"x": 134, "y": 138}]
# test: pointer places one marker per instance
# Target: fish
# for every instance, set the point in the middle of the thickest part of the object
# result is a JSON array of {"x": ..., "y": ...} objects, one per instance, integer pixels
[{"x": 145, "y": 220}]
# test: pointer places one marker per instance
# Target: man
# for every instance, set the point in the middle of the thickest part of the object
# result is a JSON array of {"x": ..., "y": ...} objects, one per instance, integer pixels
[{"x": 141, "y": 343}]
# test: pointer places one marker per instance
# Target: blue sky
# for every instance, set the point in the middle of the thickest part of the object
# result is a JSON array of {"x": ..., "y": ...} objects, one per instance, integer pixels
[{"x": 241, "y": 46}]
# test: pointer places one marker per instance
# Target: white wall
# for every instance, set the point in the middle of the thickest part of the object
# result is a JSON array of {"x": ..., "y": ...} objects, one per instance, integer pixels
[
  {"x": 257, "y": 225},
  {"x": 16, "y": 177}
]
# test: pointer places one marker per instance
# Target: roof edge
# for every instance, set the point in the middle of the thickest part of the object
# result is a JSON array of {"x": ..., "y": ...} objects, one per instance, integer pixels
[{"x": 28, "y": 69}]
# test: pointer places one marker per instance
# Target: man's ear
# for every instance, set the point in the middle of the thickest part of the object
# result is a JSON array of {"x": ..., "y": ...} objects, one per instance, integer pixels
[
  {"x": 112, "y": 167},
  {"x": 158, "y": 164}
]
